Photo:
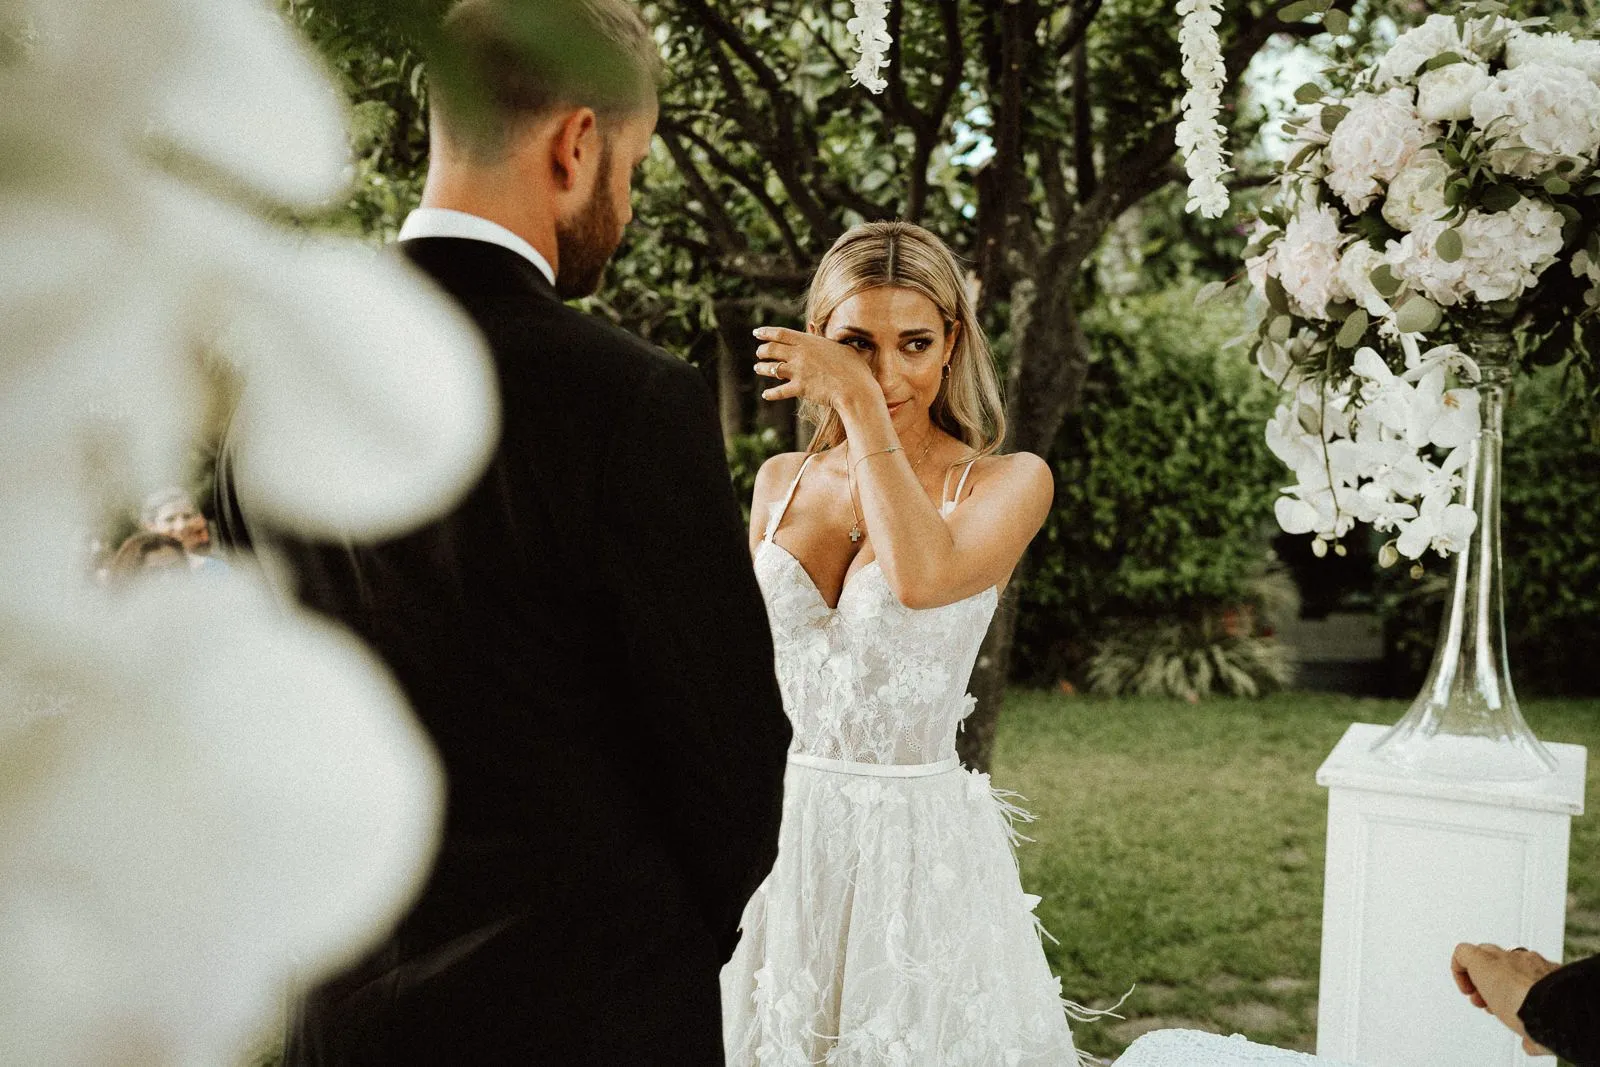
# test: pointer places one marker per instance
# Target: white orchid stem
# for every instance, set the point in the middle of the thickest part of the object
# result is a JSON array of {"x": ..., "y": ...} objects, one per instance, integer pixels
[
  {"x": 1200, "y": 135},
  {"x": 871, "y": 30}
]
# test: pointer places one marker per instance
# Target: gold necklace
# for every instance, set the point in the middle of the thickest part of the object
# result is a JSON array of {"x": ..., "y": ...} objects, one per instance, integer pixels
[{"x": 856, "y": 533}]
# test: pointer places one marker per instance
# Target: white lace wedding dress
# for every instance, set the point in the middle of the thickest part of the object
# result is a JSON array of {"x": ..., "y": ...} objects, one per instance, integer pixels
[{"x": 893, "y": 929}]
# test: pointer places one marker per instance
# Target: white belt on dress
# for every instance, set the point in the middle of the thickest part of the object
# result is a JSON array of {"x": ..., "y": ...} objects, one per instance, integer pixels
[{"x": 875, "y": 770}]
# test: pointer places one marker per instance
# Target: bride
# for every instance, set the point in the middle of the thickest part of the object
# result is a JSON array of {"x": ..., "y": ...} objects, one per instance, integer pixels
[{"x": 893, "y": 928}]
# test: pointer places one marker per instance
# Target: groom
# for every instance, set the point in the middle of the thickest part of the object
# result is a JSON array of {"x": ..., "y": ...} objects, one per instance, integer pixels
[{"x": 582, "y": 637}]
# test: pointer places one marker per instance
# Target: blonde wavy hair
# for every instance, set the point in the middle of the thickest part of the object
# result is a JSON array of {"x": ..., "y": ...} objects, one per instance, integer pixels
[{"x": 873, "y": 254}]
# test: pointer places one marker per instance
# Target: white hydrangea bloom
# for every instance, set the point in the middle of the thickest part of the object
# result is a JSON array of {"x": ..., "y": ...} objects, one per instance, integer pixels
[
  {"x": 1356, "y": 265},
  {"x": 1373, "y": 144},
  {"x": 1308, "y": 261},
  {"x": 1503, "y": 254},
  {"x": 1446, "y": 94},
  {"x": 1436, "y": 35},
  {"x": 1535, "y": 116},
  {"x": 1417, "y": 193},
  {"x": 1553, "y": 50}
]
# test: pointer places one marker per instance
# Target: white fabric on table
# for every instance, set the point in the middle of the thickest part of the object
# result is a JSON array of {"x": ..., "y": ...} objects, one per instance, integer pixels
[{"x": 1193, "y": 1048}]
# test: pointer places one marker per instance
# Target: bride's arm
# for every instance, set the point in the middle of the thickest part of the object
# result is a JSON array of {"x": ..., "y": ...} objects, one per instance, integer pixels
[
  {"x": 927, "y": 560},
  {"x": 930, "y": 561},
  {"x": 772, "y": 482}
]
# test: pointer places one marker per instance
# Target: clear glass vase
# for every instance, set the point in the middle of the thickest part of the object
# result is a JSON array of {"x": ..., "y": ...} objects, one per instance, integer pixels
[{"x": 1466, "y": 724}]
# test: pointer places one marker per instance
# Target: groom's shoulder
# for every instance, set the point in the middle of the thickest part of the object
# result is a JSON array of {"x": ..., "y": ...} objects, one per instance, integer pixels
[{"x": 594, "y": 348}]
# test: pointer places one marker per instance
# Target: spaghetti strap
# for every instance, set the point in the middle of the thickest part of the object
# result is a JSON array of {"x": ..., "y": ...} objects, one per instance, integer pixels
[
  {"x": 779, "y": 510},
  {"x": 963, "y": 483}
]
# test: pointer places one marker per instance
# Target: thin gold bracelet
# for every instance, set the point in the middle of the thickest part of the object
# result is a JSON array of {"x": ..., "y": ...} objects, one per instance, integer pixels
[{"x": 869, "y": 455}]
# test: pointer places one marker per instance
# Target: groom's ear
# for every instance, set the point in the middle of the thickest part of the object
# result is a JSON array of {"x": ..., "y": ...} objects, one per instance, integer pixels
[{"x": 575, "y": 147}]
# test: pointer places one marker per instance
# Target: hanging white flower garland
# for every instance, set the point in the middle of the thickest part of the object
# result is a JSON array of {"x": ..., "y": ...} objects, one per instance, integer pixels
[
  {"x": 871, "y": 29},
  {"x": 1200, "y": 135}
]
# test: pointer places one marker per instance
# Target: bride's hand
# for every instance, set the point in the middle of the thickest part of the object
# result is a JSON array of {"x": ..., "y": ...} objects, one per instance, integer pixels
[{"x": 812, "y": 367}]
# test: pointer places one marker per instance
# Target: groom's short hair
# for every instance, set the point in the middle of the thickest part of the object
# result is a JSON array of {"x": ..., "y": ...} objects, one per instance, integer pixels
[{"x": 520, "y": 60}]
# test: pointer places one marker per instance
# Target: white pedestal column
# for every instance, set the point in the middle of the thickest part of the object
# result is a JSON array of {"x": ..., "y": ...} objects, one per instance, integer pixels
[{"x": 1415, "y": 866}]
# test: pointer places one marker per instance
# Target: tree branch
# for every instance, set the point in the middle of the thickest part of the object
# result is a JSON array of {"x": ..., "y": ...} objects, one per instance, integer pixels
[
  {"x": 1082, "y": 125},
  {"x": 781, "y": 149},
  {"x": 743, "y": 178},
  {"x": 1055, "y": 183},
  {"x": 729, "y": 35},
  {"x": 929, "y": 131},
  {"x": 955, "y": 59},
  {"x": 1149, "y": 165},
  {"x": 722, "y": 228},
  {"x": 1077, "y": 28}
]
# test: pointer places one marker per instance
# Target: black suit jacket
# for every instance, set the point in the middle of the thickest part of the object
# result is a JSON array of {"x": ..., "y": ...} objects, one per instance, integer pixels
[
  {"x": 1562, "y": 1012},
  {"x": 584, "y": 640}
]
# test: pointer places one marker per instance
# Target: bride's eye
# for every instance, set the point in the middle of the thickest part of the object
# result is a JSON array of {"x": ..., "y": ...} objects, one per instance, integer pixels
[
  {"x": 860, "y": 344},
  {"x": 921, "y": 344}
]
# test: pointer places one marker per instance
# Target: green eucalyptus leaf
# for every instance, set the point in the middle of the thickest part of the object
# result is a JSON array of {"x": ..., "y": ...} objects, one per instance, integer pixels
[
  {"x": 1443, "y": 59},
  {"x": 1418, "y": 315},
  {"x": 1298, "y": 11},
  {"x": 1336, "y": 22},
  {"x": 1309, "y": 93},
  {"x": 1209, "y": 292},
  {"x": 1557, "y": 186},
  {"x": 1354, "y": 328},
  {"x": 1278, "y": 329},
  {"x": 1449, "y": 245},
  {"x": 1384, "y": 281},
  {"x": 1277, "y": 299},
  {"x": 1332, "y": 115}
]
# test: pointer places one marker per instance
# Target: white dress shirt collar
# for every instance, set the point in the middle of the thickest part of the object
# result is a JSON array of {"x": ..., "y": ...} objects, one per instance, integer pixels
[{"x": 444, "y": 222}]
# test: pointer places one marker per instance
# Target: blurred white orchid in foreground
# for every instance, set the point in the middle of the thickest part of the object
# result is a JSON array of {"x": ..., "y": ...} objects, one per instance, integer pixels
[{"x": 200, "y": 795}]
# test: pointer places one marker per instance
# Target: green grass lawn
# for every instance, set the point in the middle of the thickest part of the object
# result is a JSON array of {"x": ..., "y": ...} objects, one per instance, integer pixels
[{"x": 1180, "y": 847}]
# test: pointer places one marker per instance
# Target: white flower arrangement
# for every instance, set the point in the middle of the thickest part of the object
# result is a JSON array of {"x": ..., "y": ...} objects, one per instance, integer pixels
[
  {"x": 1452, "y": 174},
  {"x": 871, "y": 29},
  {"x": 1200, "y": 136}
]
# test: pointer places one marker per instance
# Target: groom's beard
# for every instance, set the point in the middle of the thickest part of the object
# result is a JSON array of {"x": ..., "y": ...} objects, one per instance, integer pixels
[{"x": 585, "y": 244}]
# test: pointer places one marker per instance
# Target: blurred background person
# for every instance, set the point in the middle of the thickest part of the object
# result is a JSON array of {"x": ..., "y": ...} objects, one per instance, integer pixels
[
  {"x": 173, "y": 513},
  {"x": 146, "y": 551}
]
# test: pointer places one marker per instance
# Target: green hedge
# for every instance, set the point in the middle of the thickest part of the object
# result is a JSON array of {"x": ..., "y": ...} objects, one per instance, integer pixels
[{"x": 1164, "y": 484}]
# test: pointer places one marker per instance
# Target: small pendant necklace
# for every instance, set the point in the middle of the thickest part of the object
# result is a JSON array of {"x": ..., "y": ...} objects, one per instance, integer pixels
[{"x": 856, "y": 532}]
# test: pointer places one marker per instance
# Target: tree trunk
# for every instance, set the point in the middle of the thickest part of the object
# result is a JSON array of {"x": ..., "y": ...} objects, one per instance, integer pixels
[
  {"x": 1042, "y": 389},
  {"x": 730, "y": 391},
  {"x": 975, "y": 743}
]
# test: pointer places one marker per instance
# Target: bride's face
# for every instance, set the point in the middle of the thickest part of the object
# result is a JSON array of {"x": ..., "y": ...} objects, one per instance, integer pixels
[{"x": 902, "y": 335}]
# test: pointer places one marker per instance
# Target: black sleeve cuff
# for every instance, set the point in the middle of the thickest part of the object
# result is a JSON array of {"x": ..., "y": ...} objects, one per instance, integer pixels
[{"x": 1562, "y": 1012}]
